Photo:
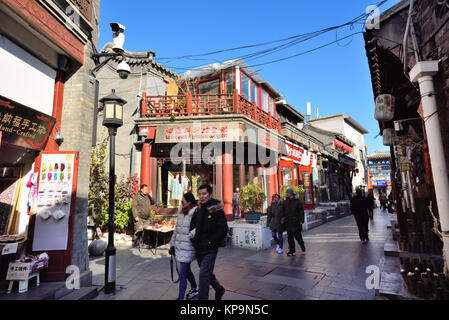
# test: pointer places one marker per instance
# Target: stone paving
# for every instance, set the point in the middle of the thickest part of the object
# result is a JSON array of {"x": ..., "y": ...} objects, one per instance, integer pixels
[{"x": 332, "y": 268}]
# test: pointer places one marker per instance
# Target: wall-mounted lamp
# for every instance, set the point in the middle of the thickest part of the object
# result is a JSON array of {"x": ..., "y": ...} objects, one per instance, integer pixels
[{"x": 58, "y": 138}]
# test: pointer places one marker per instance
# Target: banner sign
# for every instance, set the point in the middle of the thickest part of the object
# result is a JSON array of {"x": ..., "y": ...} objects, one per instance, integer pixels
[{"x": 24, "y": 127}]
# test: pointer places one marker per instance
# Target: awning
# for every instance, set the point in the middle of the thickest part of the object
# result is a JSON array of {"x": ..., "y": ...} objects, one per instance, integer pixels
[
  {"x": 341, "y": 145},
  {"x": 346, "y": 160}
]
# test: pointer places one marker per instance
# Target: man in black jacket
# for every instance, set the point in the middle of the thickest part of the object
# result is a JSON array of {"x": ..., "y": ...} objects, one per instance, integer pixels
[
  {"x": 208, "y": 231},
  {"x": 292, "y": 213},
  {"x": 359, "y": 208}
]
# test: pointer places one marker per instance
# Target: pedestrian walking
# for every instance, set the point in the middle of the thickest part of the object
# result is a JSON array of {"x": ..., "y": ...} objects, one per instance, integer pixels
[
  {"x": 208, "y": 232},
  {"x": 274, "y": 221},
  {"x": 383, "y": 200},
  {"x": 182, "y": 248},
  {"x": 292, "y": 213},
  {"x": 359, "y": 208},
  {"x": 141, "y": 209},
  {"x": 370, "y": 199}
]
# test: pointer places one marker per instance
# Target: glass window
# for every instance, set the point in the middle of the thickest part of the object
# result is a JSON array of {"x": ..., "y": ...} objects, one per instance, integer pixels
[
  {"x": 265, "y": 98},
  {"x": 245, "y": 86},
  {"x": 271, "y": 106},
  {"x": 254, "y": 93},
  {"x": 230, "y": 82},
  {"x": 209, "y": 87},
  {"x": 286, "y": 173}
]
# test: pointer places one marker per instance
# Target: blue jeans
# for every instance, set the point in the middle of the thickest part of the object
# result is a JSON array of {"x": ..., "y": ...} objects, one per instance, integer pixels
[
  {"x": 185, "y": 273},
  {"x": 277, "y": 236}
]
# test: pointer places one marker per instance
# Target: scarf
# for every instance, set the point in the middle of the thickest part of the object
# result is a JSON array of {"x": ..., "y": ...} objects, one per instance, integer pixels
[{"x": 187, "y": 209}]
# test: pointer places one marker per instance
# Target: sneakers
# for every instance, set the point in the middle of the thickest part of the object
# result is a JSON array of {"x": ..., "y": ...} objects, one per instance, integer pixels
[
  {"x": 291, "y": 254},
  {"x": 192, "y": 294},
  {"x": 364, "y": 242},
  {"x": 279, "y": 250},
  {"x": 220, "y": 294}
]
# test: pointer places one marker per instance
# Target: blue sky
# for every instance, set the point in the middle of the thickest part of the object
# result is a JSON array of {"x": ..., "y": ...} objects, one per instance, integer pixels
[{"x": 335, "y": 79}]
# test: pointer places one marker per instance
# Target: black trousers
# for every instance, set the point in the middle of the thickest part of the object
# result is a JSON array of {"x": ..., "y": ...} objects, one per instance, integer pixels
[
  {"x": 362, "y": 225},
  {"x": 207, "y": 278},
  {"x": 291, "y": 240}
]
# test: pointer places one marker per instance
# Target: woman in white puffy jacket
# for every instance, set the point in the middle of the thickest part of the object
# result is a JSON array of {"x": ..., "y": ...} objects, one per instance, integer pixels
[{"x": 181, "y": 246}]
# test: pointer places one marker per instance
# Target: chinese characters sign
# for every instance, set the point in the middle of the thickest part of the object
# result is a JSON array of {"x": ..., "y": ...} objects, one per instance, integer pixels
[
  {"x": 23, "y": 126},
  {"x": 18, "y": 271},
  {"x": 201, "y": 132}
]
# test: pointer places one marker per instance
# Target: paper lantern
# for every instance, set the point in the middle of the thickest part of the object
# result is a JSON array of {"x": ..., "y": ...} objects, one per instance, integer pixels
[
  {"x": 384, "y": 108},
  {"x": 388, "y": 136}
]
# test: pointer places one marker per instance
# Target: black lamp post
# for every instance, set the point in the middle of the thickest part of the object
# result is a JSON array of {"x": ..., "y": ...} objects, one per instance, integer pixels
[{"x": 113, "y": 119}]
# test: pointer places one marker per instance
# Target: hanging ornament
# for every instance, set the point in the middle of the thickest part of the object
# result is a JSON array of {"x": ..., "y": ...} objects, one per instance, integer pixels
[
  {"x": 388, "y": 135},
  {"x": 384, "y": 108}
]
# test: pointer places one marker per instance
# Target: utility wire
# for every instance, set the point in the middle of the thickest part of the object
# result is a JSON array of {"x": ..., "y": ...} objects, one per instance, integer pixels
[{"x": 294, "y": 40}]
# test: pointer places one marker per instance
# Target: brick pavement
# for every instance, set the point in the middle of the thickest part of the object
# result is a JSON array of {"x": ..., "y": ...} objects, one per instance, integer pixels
[{"x": 333, "y": 268}]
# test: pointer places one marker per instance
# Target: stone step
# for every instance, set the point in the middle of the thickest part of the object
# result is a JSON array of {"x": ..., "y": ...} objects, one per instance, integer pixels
[
  {"x": 314, "y": 223},
  {"x": 391, "y": 249},
  {"x": 331, "y": 218},
  {"x": 84, "y": 293}
]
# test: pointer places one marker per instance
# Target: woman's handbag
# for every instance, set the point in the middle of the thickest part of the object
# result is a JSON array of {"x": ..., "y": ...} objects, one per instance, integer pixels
[{"x": 173, "y": 260}]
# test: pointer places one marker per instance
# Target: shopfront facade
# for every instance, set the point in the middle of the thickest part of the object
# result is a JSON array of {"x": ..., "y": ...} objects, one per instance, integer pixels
[
  {"x": 296, "y": 169},
  {"x": 43, "y": 60}
]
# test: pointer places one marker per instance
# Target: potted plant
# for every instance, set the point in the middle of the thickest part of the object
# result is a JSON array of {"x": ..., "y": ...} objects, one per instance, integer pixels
[
  {"x": 299, "y": 190},
  {"x": 252, "y": 197}
]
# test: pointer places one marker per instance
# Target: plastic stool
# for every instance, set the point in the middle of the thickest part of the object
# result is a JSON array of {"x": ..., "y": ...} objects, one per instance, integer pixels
[{"x": 23, "y": 284}]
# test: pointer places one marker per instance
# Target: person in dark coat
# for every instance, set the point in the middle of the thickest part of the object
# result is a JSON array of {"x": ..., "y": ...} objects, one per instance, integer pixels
[
  {"x": 359, "y": 208},
  {"x": 274, "y": 222},
  {"x": 208, "y": 230},
  {"x": 370, "y": 199},
  {"x": 292, "y": 213},
  {"x": 141, "y": 209}
]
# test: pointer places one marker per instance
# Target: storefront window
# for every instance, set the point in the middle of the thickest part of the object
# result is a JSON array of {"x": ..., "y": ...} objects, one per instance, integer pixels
[
  {"x": 286, "y": 173},
  {"x": 245, "y": 86},
  {"x": 176, "y": 180},
  {"x": 209, "y": 87}
]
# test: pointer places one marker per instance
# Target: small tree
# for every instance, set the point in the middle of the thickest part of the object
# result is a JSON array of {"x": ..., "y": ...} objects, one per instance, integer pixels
[
  {"x": 299, "y": 190},
  {"x": 252, "y": 197}
]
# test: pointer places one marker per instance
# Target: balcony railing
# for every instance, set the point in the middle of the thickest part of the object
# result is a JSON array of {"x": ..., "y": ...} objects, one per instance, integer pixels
[{"x": 205, "y": 104}]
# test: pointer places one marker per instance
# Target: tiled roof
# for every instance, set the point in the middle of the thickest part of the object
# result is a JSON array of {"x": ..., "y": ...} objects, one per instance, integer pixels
[{"x": 379, "y": 156}]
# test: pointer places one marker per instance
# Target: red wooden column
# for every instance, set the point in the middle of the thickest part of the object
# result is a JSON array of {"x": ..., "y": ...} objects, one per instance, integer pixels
[
  {"x": 145, "y": 167},
  {"x": 58, "y": 100},
  {"x": 227, "y": 186},
  {"x": 145, "y": 164}
]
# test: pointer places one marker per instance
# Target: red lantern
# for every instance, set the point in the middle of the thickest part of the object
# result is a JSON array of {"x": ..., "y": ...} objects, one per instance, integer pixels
[{"x": 357, "y": 170}]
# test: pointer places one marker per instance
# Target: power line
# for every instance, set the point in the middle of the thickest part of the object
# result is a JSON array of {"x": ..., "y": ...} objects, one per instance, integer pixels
[{"x": 292, "y": 41}]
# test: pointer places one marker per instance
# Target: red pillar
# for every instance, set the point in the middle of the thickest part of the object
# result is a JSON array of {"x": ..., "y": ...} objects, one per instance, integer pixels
[
  {"x": 58, "y": 100},
  {"x": 145, "y": 164},
  {"x": 227, "y": 186}
]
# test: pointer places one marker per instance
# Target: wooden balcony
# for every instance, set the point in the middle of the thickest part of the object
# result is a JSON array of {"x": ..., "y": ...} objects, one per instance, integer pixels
[{"x": 203, "y": 104}]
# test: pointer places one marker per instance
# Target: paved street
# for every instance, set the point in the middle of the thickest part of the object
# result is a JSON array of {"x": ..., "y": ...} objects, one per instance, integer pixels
[{"x": 333, "y": 268}]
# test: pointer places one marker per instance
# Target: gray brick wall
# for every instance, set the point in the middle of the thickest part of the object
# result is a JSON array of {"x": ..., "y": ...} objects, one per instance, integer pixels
[{"x": 77, "y": 126}]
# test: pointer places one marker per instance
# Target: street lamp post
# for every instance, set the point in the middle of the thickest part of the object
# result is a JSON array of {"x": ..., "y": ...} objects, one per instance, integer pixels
[{"x": 113, "y": 119}]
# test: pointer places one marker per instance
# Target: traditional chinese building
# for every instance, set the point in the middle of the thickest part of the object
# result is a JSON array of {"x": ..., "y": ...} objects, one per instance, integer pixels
[
  {"x": 46, "y": 105},
  {"x": 222, "y": 129},
  {"x": 379, "y": 173}
]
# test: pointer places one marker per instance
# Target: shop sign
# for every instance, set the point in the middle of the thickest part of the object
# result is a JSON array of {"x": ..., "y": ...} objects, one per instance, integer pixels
[
  {"x": 24, "y": 127},
  {"x": 10, "y": 248},
  {"x": 204, "y": 132},
  {"x": 18, "y": 271},
  {"x": 295, "y": 153}
]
